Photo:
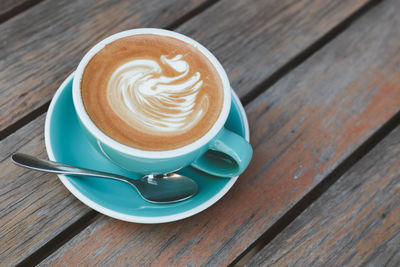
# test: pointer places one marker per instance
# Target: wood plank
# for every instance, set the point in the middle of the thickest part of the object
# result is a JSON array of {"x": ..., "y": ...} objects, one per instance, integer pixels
[
  {"x": 37, "y": 86},
  {"x": 355, "y": 223},
  {"x": 31, "y": 200},
  {"x": 10, "y": 8},
  {"x": 277, "y": 30},
  {"x": 264, "y": 35},
  {"x": 7, "y": 5},
  {"x": 35, "y": 207},
  {"x": 39, "y": 49},
  {"x": 56, "y": 71},
  {"x": 260, "y": 36},
  {"x": 301, "y": 129}
]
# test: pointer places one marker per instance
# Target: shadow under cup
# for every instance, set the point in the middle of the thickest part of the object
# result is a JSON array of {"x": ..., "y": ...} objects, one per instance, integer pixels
[{"x": 219, "y": 152}]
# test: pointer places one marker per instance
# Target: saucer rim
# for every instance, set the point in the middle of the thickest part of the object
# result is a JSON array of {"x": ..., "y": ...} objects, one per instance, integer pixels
[{"x": 122, "y": 216}]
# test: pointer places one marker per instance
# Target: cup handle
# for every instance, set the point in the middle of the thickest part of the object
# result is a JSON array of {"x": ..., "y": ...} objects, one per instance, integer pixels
[{"x": 228, "y": 155}]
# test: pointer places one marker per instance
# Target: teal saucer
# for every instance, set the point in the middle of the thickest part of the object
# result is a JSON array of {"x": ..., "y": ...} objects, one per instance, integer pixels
[{"x": 66, "y": 143}]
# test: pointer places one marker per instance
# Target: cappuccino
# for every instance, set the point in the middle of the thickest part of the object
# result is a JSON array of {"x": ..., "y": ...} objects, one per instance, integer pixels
[{"x": 152, "y": 92}]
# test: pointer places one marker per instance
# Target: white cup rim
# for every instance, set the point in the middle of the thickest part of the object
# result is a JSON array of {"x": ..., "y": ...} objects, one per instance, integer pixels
[{"x": 97, "y": 133}]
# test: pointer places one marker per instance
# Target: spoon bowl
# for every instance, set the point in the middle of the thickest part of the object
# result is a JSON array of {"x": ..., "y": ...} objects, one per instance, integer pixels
[{"x": 160, "y": 188}]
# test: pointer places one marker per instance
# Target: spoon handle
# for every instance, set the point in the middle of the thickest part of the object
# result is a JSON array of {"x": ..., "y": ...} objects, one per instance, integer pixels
[{"x": 34, "y": 163}]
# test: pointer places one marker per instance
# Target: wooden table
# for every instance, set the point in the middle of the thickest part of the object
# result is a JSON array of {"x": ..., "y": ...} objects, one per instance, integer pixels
[{"x": 320, "y": 81}]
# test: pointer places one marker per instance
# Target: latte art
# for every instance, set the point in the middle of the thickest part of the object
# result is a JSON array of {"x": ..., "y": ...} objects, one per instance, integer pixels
[
  {"x": 152, "y": 92},
  {"x": 142, "y": 95}
]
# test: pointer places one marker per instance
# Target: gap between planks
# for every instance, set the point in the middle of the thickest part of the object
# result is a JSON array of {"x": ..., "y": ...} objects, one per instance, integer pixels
[
  {"x": 259, "y": 89},
  {"x": 318, "y": 190},
  {"x": 287, "y": 218},
  {"x": 30, "y": 3},
  {"x": 60, "y": 239},
  {"x": 68, "y": 233},
  {"x": 18, "y": 9},
  {"x": 306, "y": 53},
  {"x": 342, "y": 168},
  {"x": 43, "y": 108}
]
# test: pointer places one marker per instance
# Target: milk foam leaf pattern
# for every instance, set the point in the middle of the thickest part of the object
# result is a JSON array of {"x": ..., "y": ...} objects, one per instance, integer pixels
[
  {"x": 152, "y": 92},
  {"x": 154, "y": 101}
]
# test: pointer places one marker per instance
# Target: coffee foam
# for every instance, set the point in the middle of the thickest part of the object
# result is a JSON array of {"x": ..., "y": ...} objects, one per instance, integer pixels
[
  {"x": 152, "y": 92},
  {"x": 143, "y": 96}
]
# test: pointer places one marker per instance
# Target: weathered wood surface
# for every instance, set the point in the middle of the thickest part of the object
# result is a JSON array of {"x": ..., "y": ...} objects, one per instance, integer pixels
[
  {"x": 355, "y": 223},
  {"x": 39, "y": 49},
  {"x": 7, "y": 5},
  {"x": 35, "y": 207},
  {"x": 301, "y": 129},
  {"x": 255, "y": 39},
  {"x": 9, "y": 8},
  {"x": 22, "y": 248},
  {"x": 261, "y": 36}
]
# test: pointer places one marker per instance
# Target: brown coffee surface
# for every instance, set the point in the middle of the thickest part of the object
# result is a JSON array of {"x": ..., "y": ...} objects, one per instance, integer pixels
[{"x": 152, "y": 92}]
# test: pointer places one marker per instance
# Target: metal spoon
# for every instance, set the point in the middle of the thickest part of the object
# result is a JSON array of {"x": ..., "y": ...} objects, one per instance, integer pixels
[{"x": 161, "y": 188}]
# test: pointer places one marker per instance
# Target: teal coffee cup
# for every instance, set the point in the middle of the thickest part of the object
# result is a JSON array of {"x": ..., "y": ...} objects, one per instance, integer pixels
[{"x": 218, "y": 152}]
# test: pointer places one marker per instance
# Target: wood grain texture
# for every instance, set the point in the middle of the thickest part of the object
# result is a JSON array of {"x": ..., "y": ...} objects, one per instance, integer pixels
[
  {"x": 39, "y": 49},
  {"x": 35, "y": 206},
  {"x": 355, "y": 223},
  {"x": 260, "y": 36},
  {"x": 28, "y": 80},
  {"x": 301, "y": 129},
  {"x": 254, "y": 40},
  {"x": 10, "y": 8},
  {"x": 7, "y": 5}
]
